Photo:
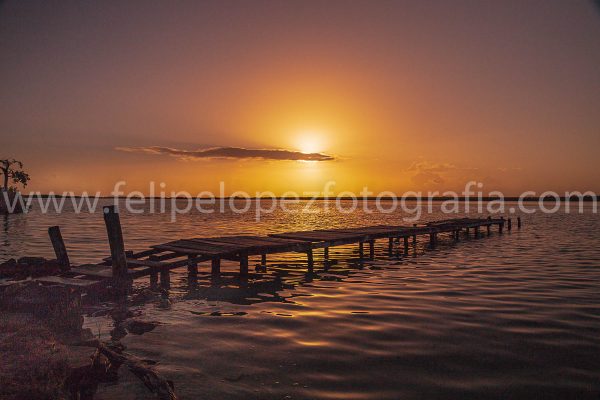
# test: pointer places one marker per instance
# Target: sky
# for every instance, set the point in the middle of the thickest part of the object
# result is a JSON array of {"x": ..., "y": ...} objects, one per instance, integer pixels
[{"x": 287, "y": 95}]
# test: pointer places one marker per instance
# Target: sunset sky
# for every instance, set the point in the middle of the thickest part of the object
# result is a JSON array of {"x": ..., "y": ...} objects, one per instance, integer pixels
[{"x": 393, "y": 95}]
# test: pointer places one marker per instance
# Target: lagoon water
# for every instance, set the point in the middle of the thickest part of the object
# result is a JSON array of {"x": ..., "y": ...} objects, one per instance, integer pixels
[{"x": 515, "y": 315}]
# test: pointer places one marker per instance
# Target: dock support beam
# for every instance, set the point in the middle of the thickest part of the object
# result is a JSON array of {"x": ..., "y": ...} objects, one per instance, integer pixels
[
  {"x": 215, "y": 266},
  {"x": 153, "y": 274},
  {"x": 165, "y": 278},
  {"x": 59, "y": 248},
  {"x": 192, "y": 271},
  {"x": 310, "y": 260},
  {"x": 117, "y": 248},
  {"x": 432, "y": 239},
  {"x": 243, "y": 265}
]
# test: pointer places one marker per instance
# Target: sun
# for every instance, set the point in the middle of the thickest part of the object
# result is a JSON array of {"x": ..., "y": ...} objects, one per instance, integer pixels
[{"x": 310, "y": 142}]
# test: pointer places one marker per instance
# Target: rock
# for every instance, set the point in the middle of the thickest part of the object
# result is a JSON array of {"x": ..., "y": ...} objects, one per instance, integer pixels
[
  {"x": 38, "y": 266},
  {"x": 49, "y": 267},
  {"x": 31, "y": 260},
  {"x": 28, "y": 266},
  {"x": 144, "y": 296},
  {"x": 138, "y": 327},
  {"x": 9, "y": 268}
]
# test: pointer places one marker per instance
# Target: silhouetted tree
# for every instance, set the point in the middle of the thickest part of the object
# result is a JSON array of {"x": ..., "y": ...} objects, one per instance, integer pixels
[{"x": 13, "y": 170}]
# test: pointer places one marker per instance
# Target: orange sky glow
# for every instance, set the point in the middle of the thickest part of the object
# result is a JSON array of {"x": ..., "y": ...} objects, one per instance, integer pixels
[{"x": 400, "y": 96}]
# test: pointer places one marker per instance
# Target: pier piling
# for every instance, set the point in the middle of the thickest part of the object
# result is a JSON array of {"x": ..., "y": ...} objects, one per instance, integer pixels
[
  {"x": 117, "y": 247},
  {"x": 59, "y": 248}
]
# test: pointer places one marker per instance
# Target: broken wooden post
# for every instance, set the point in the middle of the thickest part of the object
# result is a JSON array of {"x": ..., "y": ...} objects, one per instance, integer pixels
[
  {"x": 309, "y": 259},
  {"x": 371, "y": 249},
  {"x": 215, "y": 266},
  {"x": 59, "y": 248},
  {"x": 244, "y": 265},
  {"x": 519, "y": 222},
  {"x": 117, "y": 247}
]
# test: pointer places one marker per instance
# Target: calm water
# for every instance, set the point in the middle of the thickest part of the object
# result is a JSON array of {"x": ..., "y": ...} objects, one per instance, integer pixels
[{"x": 510, "y": 316}]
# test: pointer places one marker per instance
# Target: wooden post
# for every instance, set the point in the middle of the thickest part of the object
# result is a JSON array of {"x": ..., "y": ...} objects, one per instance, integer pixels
[
  {"x": 326, "y": 253},
  {"x": 165, "y": 278},
  {"x": 489, "y": 229},
  {"x": 117, "y": 246},
  {"x": 467, "y": 231},
  {"x": 509, "y": 224},
  {"x": 215, "y": 266},
  {"x": 192, "y": 270},
  {"x": 371, "y": 249},
  {"x": 519, "y": 222},
  {"x": 243, "y": 265},
  {"x": 153, "y": 280},
  {"x": 361, "y": 251},
  {"x": 476, "y": 232},
  {"x": 432, "y": 239},
  {"x": 192, "y": 265},
  {"x": 390, "y": 246},
  {"x": 263, "y": 260},
  {"x": 309, "y": 259},
  {"x": 405, "y": 245},
  {"x": 59, "y": 248},
  {"x": 414, "y": 236},
  {"x": 153, "y": 274},
  {"x": 501, "y": 225}
]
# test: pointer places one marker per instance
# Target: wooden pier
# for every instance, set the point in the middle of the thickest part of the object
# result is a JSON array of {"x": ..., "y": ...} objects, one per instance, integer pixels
[{"x": 118, "y": 270}]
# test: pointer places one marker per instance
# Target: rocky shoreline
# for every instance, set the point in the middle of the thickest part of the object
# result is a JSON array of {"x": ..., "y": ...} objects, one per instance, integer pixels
[{"x": 45, "y": 350}]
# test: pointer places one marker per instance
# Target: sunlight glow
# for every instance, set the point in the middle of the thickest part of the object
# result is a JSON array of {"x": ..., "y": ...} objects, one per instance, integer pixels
[{"x": 310, "y": 142}]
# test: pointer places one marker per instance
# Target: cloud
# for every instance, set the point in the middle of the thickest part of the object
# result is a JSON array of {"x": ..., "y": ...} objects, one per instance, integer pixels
[
  {"x": 230, "y": 152},
  {"x": 427, "y": 173}
]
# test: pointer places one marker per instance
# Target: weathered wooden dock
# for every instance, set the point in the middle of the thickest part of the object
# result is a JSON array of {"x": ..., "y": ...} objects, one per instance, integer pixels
[{"x": 118, "y": 270}]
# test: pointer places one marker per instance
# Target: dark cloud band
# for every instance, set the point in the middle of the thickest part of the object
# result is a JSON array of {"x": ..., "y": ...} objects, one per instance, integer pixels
[{"x": 232, "y": 152}]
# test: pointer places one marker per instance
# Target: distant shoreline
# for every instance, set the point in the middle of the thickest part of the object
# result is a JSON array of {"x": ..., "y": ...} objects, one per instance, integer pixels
[{"x": 333, "y": 198}]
